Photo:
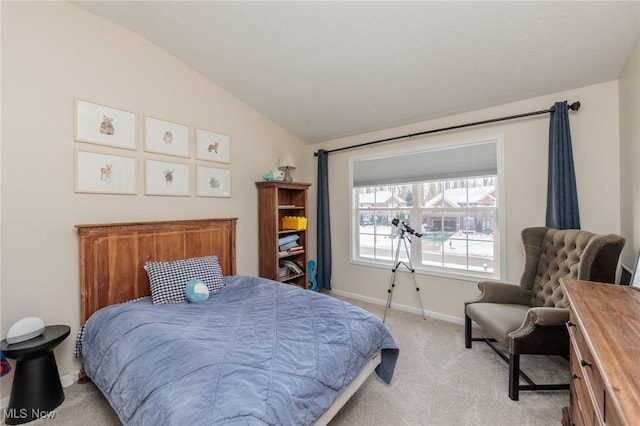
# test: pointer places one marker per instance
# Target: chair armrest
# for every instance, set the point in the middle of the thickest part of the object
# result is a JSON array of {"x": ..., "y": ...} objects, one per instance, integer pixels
[
  {"x": 541, "y": 317},
  {"x": 545, "y": 317},
  {"x": 529, "y": 338},
  {"x": 501, "y": 292}
]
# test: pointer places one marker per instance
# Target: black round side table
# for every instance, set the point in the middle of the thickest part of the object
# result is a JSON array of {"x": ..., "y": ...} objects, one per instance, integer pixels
[{"x": 36, "y": 388}]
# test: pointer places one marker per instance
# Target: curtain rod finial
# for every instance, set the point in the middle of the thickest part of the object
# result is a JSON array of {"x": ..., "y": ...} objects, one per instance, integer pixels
[
  {"x": 575, "y": 106},
  {"x": 315, "y": 154}
]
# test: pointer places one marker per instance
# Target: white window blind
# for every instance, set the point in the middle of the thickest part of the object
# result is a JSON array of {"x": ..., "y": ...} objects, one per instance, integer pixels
[{"x": 453, "y": 162}]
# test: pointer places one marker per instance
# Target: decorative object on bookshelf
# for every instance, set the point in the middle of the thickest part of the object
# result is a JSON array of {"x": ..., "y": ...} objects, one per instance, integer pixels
[
  {"x": 294, "y": 222},
  {"x": 287, "y": 164},
  {"x": 273, "y": 174}
]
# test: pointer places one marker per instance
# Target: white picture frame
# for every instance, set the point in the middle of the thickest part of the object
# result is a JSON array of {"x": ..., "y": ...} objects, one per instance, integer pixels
[
  {"x": 104, "y": 125},
  {"x": 104, "y": 173},
  {"x": 166, "y": 137},
  {"x": 635, "y": 275},
  {"x": 212, "y": 146},
  {"x": 213, "y": 181},
  {"x": 167, "y": 178}
]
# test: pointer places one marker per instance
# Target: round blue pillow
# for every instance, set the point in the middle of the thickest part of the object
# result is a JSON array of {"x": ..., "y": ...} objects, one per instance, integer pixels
[{"x": 197, "y": 291}]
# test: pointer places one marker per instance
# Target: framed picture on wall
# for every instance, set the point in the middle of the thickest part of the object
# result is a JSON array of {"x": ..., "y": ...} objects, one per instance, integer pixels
[
  {"x": 213, "y": 182},
  {"x": 104, "y": 125},
  {"x": 104, "y": 173},
  {"x": 213, "y": 146},
  {"x": 166, "y": 137},
  {"x": 167, "y": 178}
]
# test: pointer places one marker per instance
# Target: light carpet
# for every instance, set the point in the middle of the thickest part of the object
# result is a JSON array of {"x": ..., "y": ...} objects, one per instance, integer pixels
[{"x": 437, "y": 381}]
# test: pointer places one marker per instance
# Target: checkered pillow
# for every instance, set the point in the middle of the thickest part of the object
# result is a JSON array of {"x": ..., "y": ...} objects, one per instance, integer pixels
[{"x": 168, "y": 280}]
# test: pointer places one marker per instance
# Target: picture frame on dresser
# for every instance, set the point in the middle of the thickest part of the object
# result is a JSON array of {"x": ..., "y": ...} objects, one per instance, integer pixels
[{"x": 635, "y": 274}]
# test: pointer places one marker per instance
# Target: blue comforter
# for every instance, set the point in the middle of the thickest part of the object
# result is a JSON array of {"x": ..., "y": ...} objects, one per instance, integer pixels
[{"x": 256, "y": 352}]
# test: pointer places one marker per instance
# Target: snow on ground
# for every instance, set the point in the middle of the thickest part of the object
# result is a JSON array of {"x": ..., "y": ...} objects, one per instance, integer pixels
[{"x": 478, "y": 244}]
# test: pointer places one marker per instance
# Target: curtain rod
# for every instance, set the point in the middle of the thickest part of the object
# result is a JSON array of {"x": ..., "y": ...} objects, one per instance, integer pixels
[{"x": 574, "y": 107}]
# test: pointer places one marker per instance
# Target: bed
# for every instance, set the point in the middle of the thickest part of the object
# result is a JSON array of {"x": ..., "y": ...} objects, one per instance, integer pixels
[{"x": 255, "y": 352}]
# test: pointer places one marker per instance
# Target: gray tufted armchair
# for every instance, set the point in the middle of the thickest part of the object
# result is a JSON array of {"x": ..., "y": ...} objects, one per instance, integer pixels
[{"x": 530, "y": 318}]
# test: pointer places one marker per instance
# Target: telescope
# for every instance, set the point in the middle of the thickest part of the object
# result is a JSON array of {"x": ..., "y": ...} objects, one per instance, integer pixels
[{"x": 405, "y": 228}]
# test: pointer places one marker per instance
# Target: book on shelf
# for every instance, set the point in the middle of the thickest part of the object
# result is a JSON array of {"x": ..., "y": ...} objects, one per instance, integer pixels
[
  {"x": 288, "y": 239},
  {"x": 287, "y": 246},
  {"x": 294, "y": 267},
  {"x": 292, "y": 250}
]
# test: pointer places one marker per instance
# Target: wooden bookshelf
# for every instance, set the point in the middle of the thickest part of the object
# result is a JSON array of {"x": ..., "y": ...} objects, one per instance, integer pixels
[{"x": 276, "y": 200}]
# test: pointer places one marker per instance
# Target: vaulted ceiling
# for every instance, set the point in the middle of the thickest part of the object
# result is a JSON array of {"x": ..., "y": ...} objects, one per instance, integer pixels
[{"x": 328, "y": 69}]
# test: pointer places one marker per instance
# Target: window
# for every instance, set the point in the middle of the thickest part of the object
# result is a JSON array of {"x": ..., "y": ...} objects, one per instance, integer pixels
[{"x": 446, "y": 201}]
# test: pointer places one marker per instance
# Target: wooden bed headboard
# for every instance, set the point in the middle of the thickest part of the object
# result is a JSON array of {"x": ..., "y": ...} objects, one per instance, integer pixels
[{"x": 112, "y": 256}]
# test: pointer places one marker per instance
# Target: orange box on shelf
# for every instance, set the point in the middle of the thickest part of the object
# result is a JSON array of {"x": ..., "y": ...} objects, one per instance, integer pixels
[{"x": 294, "y": 222}]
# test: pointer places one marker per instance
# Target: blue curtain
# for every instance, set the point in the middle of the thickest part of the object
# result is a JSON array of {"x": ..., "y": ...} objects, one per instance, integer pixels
[
  {"x": 562, "y": 196},
  {"x": 324, "y": 225}
]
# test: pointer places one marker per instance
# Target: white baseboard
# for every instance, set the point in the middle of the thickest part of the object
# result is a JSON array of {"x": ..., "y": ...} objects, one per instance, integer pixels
[
  {"x": 66, "y": 380},
  {"x": 400, "y": 307}
]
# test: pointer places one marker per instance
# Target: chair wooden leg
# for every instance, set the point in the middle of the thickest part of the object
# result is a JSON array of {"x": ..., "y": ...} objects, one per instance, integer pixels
[
  {"x": 467, "y": 331},
  {"x": 514, "y": 376}
]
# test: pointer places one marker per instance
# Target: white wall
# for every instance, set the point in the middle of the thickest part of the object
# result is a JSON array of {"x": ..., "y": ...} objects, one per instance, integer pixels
[
  {"x": 51, "y": 53},
  {"x": 595, "y": 138},
  {"x": 629, "y": 92}
]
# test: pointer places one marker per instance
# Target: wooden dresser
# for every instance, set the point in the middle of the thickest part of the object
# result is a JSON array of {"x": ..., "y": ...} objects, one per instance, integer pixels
[{"x": 604, "y": 329}]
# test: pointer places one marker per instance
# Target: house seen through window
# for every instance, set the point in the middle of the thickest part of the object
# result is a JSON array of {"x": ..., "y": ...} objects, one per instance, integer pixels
[{"x": 456, "y": 217}]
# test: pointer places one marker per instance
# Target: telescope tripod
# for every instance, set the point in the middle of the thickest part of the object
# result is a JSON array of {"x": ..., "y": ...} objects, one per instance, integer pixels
[{"x": 396, "y": 264}]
